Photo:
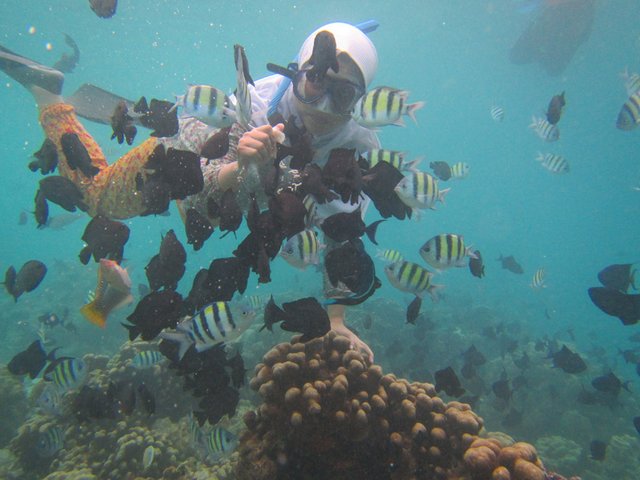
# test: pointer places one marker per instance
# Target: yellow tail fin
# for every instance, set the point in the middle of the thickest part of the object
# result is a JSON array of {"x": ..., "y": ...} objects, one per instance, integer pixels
[{"x": 94, "y": 315}]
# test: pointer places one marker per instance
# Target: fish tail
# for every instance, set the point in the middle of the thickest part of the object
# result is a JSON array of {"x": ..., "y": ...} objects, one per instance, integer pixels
[
  {"x": 433, "y": 292},
  {"x": 412, "y": 166},
  {"x": 183, "y": 341},
  {"x": 371, "y": 231},
  {"x": 91, "y": 312},
  {"x": 412, "y": 108},
  {"x": 442, "y": 193}
]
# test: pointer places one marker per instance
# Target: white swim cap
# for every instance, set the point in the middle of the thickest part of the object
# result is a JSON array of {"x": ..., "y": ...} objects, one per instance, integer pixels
[{"x": 350, "y": 40}]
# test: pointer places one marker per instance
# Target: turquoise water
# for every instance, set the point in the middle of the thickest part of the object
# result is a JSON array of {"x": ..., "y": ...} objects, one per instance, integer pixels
[{"x": 454, "y": 56}]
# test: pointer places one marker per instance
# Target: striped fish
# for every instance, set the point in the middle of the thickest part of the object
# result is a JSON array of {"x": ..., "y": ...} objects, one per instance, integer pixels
[
  {"x": 243, "y": 78},
  {"x": 497, "y": 113},
  {"x": 146, "y": 359},
  {"x": 445, "y": 251},
  {"x": 195, "y": 432},
  {"x": 216, "y": 323},
  {"x": 66, "y": 373},
  {"x": 411, "y": 278},
  {"x": 220, "y": 442},
  {"x": 384, "y": 106},
  {"x": 538, "y": 279},
  {"x": 420, "y": 191},
  {"x": 257, "y": 302},
  {"x": 302, "y": 249},
  {"x": 629, "y": 115},
  {"x": 392, "y": 157},
  {"x": 50, "y": 400},
  {"x": 459, "y": 170},
  {"x": 545, "y": 130},
  {"x": 50, "y": 442},
  {"x": 208, "y": 104},
  {"x": 631, "y": 82},
  {"x": 389, "y": 255},
  {"x": 554, "y": 163}
]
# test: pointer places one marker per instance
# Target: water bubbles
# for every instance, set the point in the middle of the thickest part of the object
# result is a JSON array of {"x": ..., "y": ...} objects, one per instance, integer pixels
[
  {"x": 31, "y": 30},
  {"x": 48, "y": 46}
]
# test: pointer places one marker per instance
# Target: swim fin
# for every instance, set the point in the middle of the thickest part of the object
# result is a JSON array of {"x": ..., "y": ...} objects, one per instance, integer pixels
[
  {"x": 29, "y": 73},
  {"x": 96, "y": 104}
]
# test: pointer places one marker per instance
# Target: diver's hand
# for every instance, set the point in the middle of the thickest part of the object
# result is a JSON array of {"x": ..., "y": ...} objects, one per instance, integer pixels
[
  {"x": 356, "y": 343},
  {"x": 259, "y": 145}
]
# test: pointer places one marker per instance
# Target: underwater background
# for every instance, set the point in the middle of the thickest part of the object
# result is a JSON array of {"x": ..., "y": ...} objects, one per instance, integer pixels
[{"x": 454, "y": 55}]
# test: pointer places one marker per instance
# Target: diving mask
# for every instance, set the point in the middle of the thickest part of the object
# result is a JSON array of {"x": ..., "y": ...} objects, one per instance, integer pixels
[{"x": 327, "y": 93}]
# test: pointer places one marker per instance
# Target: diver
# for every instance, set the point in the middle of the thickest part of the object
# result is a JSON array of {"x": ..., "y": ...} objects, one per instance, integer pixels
[{"x": 316, "y": 95}]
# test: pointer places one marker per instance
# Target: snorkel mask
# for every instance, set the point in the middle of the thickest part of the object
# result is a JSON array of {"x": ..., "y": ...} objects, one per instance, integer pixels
[{"x": 315, "y": 84}]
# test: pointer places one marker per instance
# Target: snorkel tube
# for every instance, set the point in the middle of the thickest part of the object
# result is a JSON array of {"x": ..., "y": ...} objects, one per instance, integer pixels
[{"x": 291, "y": 70}]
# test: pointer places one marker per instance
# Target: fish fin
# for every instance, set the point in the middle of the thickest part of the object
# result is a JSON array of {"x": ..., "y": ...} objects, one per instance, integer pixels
[
  {"x": 470, "y": 253},
  {"x": 184, "y": 343},
  {"x": 412, "y": 109},
  {"x": 179, "y": 101},
  {"x": 134, "y": 331},
  {"x": 92, "y": 313},
  {"x": 540, "y": 157},
  {"x": 433, "y": 292},
  {"x": 399, "y": 122},
  {"x": 85, "y": 255},
  {"x": 442, "y": 194},
  {"x": 412, "y": 166},
  {"x": 371, "y": 231}
]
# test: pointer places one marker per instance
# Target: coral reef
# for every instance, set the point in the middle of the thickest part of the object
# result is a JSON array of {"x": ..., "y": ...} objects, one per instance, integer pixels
[
  {"x": 112, "y": 448},
  {"x": 326, "y": 413},
  {"x": 12, "y": 399},
  {"x": 560, "y": 453}
]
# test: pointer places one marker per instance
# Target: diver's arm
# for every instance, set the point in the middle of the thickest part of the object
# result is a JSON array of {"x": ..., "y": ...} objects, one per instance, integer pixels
[{"x": 336, "y": 317}]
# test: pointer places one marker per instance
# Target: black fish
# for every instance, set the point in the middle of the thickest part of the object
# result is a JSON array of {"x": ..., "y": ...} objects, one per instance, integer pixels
[
  {"x": 62, "y": 192},
  {"x": 28, "y": 278},
  {"x": 501, "y": 389},
  {"x": 523, "y": 362},
  {"x": 299, "y": 149},
  {"x": 217, "y": 145},
  {"x": 598, "y": 450},
  {"x": 10, "y": 279},
  {"x": 342, "y": 174},
  {"x": 413, "y": 310},
  {"x": 510, "y": 263},
  {"x": 323, "y": 57},
  {"x": 123, "y": 396},
  {"x": 476, "y": 267},
  {"x": 41, "y": 211},
  {"x": 609, "y": 383},
  {"x": 122, "y": 124},
  {"x": 473, "y": 356},
  {"x": 46, "y": 158},
  {"x": 379, "y": 185},
  {"x": 441, "y": 169},
  {"x": 216, "y": 405},
  {"x": 227, "y": 211},
  {"x": 350, "y": 265},
  {"x": 312, "y": 184},
  {"x": 198, "y": 229},
  {"x": 617, "y": 304},
  {"x": 305, "y": 316},
  {"x": 147, "y": 399},
  {"x": 104, "y": 8},
  {"x": 343, "y": 227},
  {"x": 77, "y": 155},
  {"x": 568, "y": 361},
  {"x": 618, "y": 277},
  {"x": 447, "y": 380},
  {"x": 105, "y": 239},
  {"x": 30, "y": 361},
  {"x": 167, "y": 267},
  {"x": 155, "y": 312},
  {"x": 554, "y": 110},
  {"x": 227, "y": 276},
  {"x": 288, "y": 212},
  {"x": 468, "y": 371},
  {"x": 159, "y": 116},
  {"x": 238, "y": 372},
  {"x": 66, "y": 63}
]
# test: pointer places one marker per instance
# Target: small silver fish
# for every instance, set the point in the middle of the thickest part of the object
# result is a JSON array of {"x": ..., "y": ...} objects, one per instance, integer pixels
[
  {"x": 148, "y": 456},
  {"x": 497, "y": 113},
  {"x": 545, "y": 130},
  {"x": 554, "y": 163}
]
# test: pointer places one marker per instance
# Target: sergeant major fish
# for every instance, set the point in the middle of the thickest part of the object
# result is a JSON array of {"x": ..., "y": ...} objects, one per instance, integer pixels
[
  {"x": 554, "y": 163},
  {"x": 629, "y": 115},
  {"x": 302, "y": 249},
  {"x": 411, "y": 278},
  {"x": 445, "y": 251},
  {"x": 392, "y": 157},
  {"x": 146, "y": 359},
  {"x": 497, "y": 113},
  {"x": 420, "y": 191},
  {"x": 50, "y": 441},
  {"x": 538, "y": 279},
  {"x": 66, "y": 373},
  {"x": 208, "y": 104},
  {"x": 545, "y": 130},
  {"x": 459, "y": 170},
  {"x": 216, "y": 323},
  {"x": 384, "y": 106}
]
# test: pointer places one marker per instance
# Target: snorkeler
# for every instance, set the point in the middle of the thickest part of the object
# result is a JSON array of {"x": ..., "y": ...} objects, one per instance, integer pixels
[{"x": 321, "y": 92}]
